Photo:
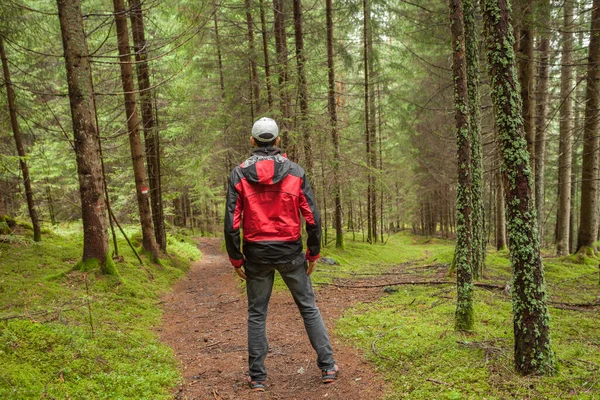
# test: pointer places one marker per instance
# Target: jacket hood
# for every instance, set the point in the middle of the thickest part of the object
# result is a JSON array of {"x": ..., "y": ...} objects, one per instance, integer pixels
[{"x": 266, "y": 166}]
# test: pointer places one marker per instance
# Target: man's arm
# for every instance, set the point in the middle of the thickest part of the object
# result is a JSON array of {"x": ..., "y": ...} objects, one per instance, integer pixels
[
  {"x": 233, "y": 219},
  {"x": 308, "y": 208}
]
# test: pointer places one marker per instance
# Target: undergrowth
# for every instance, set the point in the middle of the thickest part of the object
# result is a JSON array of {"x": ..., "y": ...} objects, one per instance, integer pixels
[
  {"x": 65, "y": 333},
  {"x": 409, "y": 333}
]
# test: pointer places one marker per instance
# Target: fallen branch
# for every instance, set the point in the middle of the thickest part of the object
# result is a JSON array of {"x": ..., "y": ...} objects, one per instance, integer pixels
[
  {"x": 437, "y": 382},
  {"x": 478, "y": 284}
]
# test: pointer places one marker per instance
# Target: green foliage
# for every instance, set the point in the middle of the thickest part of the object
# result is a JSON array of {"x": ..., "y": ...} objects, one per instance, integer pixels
[
  {"x": 49, "y": 347},
  {"x": 409, "y": 335}
]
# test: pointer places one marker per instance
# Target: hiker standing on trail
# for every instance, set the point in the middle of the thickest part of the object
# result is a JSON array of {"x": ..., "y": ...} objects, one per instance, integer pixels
[{"x": 265, "y": 197}]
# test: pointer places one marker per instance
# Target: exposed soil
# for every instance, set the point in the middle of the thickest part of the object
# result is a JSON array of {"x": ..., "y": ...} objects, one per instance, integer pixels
[{"x": 205, "y": 323}]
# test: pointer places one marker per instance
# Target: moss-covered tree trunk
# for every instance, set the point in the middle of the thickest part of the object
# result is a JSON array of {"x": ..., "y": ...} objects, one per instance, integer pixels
[
  {"x": 591, "y": 141},
  {"x": 335, "y": 136},
  {"x": 151, "y": 137},
  {"x": 464, "y": 205},
  {"x": 566, "y": 133},
  {"x": 133, "y": 126},
  {"x": 85, "y": 131},
  {"x": 531, "y": 321},
  {"x": 12, "y": 110},
  {"x": 283, "y": 75},
  {"x": 541, "y": 109},
  {"x": 472, "y": 58}
]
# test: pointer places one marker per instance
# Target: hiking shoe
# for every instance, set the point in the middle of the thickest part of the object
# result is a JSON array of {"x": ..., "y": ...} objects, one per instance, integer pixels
[
  {"x": 329, "y": 375},
  {"x": 257, "y": 386}
]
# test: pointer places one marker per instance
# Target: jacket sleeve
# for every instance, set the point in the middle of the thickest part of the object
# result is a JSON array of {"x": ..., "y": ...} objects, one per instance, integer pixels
[
  {"x": 233, "y": 217},
  {"x": 308, "y": 208}
]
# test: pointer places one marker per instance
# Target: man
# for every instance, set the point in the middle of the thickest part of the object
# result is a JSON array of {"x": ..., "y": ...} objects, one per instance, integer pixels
[{"x": 265, "y": 197}]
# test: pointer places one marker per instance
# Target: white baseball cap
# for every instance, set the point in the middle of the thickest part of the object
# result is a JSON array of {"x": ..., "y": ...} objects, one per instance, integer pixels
[{"x": 265, "y": 130}]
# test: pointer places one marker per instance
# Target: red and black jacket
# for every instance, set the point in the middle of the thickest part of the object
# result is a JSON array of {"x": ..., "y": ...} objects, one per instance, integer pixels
[{"x": 265, "y": 197}]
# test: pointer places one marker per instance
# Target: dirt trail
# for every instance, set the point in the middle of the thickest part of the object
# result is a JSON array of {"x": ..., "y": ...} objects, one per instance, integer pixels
[{"x": 205, "y": 323}]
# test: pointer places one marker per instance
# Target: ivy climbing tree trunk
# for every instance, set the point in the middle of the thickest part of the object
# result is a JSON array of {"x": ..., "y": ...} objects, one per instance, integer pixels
[
  {"x": 541, "y": 106},
  {"x": 478, "y": 212},
  {"x": 335, "y": 135},
  {"x": 85, "y": 131},
  {"x": 133, "y": 126},
  {"x": 566, "y": 133},
  {"x": 151, "y": 136},
  {"x": 591, "y": 141},
  {"x": 12, "y": 110},
  {"x": 531, "y": 321},
  {"x": 464, "y": 206},
  {"x": 304, "y": 129}
]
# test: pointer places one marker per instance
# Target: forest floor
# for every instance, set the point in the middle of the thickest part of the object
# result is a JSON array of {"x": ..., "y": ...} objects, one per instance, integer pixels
[{"x": 205, "y": 323}]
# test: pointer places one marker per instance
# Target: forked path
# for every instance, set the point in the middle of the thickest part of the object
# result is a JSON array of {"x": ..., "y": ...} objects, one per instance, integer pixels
[{"x": 205, "y": 324}]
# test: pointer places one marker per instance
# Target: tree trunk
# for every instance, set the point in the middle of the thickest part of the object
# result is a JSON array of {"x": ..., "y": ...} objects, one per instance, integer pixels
[
  {"x": 335, "y": 136},
  {"x": 263, "y": 24},
  {"x": 464, "y": 247},
  {"x": 151, "y": 137},
  {"x": 218, "y": 44},
  {"x": 133, "y": 126},
  {"x": 526, "y": 75},
  {"x": 541, "y": 105},
  {"x": 12, "y": 110},
  {"x": 478, "y": 210},
  {"x": 304, "y": 128},
  {"x": 372, "y": 125},
  {"x": 566, "y": 133},
  {"x": 89, "y": 171},
  {"x": 282, "y": 61},
  {"x": 500, "y": 214},
  {"x": 531, "y": 322},
  {"x": 252, "y": 57},
  {"x": 589, "y": 169}
]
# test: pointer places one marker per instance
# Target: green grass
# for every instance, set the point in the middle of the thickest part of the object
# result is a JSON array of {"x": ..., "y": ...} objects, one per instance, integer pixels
[
  {"x": 53, "y": 349},
  {"x": 420, "y": 355}
]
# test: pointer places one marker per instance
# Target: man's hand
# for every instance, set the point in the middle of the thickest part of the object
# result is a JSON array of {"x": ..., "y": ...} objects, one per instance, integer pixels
[
  {"x": 240, "y": 272},
  {"x": 311, "y": 267}
]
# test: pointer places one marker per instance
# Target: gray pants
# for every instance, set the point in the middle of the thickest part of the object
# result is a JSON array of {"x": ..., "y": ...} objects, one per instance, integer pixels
[{"x": 259, "y": 285}]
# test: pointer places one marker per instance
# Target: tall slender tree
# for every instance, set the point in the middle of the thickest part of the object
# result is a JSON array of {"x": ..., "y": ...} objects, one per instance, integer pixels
[
  {"x": 12, "y": 110},
  {"x": 151, "y": 136},
  {"x": 531, "y": 321},
  {"x": 464, "y": 232},
  {"x": 255, "y": 87},
  {"x": 472, "y": 61},
  {"x": 85, "y": 130},
  {"x": 541, "y": 105},
  {"x": 335, "y": 135},
  {"x": 591, "y": 141},
  {"x": 133, "y": 126},
  {"x": 304, "y": 129},
  {"x": 566, "y": 133},
  {"x": 265, "y": 43},
  {"x": 283, "y": 72}
]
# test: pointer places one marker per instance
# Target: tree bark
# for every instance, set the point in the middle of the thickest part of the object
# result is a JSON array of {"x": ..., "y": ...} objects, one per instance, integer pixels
[
  {"x": 255, "y": 87},
  {"x": 89, "y": 171},
  {"x": 464, "y": 319},
  {"x": 12, "y": 110},
  {"x": 133, "y": 126},
  {"x": 219, "y": 57},
  {"x": 304, "y": 129},
  {"x": 541, "y": 105},
  {"x": 526, "y": 75},
  {"x": 589, "y": 170},
  {"x": 472, "y": 60},
  {"x": 263, "y": 24},
  {"x": 335, "y": 136},
  {"x": 500, "y": 214},
  {"x": 151, "y": 137},
  {"x": 566, "y": 133},
  {"x": 531, "y": 322},
  {"x": 282, "y": 61}
]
